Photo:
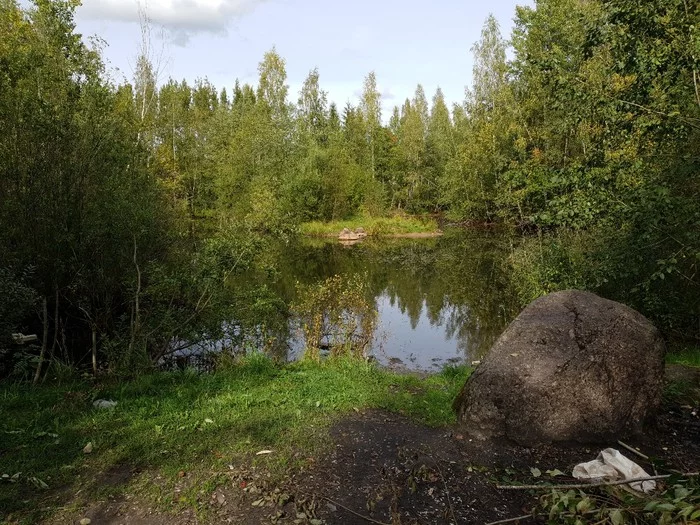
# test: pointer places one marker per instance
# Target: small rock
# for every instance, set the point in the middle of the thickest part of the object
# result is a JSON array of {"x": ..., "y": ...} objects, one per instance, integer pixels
[
  {"x": 88, "y": 448},
  {"x": 104, "y": 403},
  {"x": 85, "y": 521}
]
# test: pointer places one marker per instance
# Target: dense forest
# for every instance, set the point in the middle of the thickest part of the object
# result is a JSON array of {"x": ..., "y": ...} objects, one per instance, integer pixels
[{"x": 124, "y": 206}]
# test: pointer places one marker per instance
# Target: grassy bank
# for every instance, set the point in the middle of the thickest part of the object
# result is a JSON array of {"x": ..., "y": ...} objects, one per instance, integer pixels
[
  {"x": 169, "y": 424},
  {"x": 687, "y": 355},
  {"x": 375, "y": 226}
]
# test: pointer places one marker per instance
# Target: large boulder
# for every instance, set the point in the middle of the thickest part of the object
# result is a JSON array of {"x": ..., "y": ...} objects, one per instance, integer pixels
[{"x": 571, "y": 367}]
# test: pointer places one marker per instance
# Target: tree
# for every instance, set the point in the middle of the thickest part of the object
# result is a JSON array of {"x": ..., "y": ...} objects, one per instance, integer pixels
[
  {"x": 469, "y": 186},
  {"x": 371, "y": 108},
  {"x": 440, "y": 144},
  {"x": 313, "y": 108},
  {"x": 272, "y": 86}
]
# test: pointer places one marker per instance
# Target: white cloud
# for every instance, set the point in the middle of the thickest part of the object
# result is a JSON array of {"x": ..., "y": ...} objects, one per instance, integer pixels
[
  {"x": 387, "y": 94},
  {"x": 182, "y": 18}
]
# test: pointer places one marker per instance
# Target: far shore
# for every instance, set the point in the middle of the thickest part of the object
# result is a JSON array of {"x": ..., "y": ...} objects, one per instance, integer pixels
[{"x": 411, "y": 235}]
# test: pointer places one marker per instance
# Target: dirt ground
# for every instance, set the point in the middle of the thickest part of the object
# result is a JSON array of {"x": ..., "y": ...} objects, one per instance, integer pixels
[{"x": 386, "y": 469}]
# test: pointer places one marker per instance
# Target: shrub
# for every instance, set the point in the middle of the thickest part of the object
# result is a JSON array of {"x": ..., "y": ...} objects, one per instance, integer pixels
[{"x": 336, "y": 314}]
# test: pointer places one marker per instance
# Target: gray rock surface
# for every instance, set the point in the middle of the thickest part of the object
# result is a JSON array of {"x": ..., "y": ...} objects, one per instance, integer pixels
[
  {"x": 348, "y": 235},
  {"x": 571, "y": 367}
]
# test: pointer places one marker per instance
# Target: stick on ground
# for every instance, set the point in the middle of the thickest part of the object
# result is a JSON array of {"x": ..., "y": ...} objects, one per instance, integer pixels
[{"x": 590, "y": 485}]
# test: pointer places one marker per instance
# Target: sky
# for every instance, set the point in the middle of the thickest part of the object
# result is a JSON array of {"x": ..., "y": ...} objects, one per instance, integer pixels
[{"x": 405, "y": 42}]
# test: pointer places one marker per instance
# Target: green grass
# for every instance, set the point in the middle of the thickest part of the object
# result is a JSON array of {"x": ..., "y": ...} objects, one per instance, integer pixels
[
  {"x": 374, "y": 226},
  {"x": 171, "y": 422},
  {"x": 687, "y": 355}
]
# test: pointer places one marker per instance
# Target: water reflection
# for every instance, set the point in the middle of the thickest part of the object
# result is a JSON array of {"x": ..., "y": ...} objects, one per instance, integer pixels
[{"x": 439, "y": 300}]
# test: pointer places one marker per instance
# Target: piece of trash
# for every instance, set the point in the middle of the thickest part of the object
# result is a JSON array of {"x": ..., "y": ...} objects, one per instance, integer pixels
[
  {"x": 104, "y": 403},
  {"x": 263, "y": 452},
  {"x": 21, "y": 339},
  {"x": 611, "y": 465},
  {"x": 88, "y": 448}
]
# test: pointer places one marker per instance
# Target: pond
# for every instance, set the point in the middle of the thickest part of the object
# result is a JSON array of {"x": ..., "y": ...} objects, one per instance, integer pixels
[{"x": 440, "y": 300}]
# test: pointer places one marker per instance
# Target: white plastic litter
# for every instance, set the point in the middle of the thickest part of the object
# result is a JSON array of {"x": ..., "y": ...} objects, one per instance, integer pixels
[
  {"x": 104, "y": 403},
  {"x": 611, "y": 465}
]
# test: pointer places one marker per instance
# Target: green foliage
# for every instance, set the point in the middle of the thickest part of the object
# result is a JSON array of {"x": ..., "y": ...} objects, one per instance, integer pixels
[
  {"x": 601, "y": 152},
  {"x": 336, "y": 314},
  {"x": 552, "y": 262},
  {"x": 112, "y": 194},
  {"x": 687, "y": 355},
  {"x": 678, "y": 502},
  {"x": 18, "y": 300}
]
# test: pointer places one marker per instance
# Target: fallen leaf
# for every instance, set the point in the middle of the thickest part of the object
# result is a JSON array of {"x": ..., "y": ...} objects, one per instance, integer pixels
[
  {"x": 554, "y": 473},
  {"x": 514, "y": 355},
  {"x": 85, "y": 521},
  {"x": 616, "y": 517},
  {"x": 88, "y": 448},
  {"x": 263, "y": 452},
  {"x": 535, "y": 472}
]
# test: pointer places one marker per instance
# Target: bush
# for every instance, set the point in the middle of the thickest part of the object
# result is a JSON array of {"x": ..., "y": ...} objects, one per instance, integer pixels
[
  {"x": 336, "y": 314},
  {"x": 17, "y": 299}
]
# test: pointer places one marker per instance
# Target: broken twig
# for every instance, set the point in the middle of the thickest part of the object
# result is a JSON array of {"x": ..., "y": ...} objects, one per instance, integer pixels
[
  {"x": 366, "y": 518},
  {"x": 510, "y": 520},
  {"x": 590, "y": 485},
  {"x": 633, "y": 450}
]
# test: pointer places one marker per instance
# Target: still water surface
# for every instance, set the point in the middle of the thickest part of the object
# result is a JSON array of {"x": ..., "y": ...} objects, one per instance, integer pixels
[{"x": 439, "y": 301}]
